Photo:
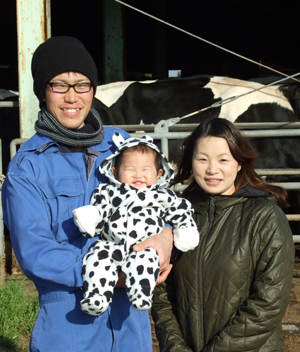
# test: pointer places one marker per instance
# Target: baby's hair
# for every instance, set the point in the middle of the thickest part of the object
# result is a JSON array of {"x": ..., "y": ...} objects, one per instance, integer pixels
[{"x": 142, "y": 149}]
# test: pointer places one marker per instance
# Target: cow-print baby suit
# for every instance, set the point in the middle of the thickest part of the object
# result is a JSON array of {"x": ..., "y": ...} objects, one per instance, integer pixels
[{"x": 122, "y": 216}]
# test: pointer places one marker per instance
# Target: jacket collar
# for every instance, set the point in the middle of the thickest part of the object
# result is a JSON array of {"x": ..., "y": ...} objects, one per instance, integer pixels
[
  {"x": 224, "y": 201},
  {"x": 41, "y": 143}
]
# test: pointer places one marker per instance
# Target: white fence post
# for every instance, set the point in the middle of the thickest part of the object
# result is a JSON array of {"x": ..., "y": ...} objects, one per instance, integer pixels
[{"x": 32, "y": 30}]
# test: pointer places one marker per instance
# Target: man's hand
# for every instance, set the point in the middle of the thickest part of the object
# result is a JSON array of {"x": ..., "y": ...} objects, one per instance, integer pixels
[
  {"x": 163, "y": 244},
  {"x": 164, "y": 274}
]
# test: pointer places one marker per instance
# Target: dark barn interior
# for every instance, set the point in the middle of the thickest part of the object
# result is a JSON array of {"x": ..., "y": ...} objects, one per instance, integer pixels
[{"x": 263, "y": 31}]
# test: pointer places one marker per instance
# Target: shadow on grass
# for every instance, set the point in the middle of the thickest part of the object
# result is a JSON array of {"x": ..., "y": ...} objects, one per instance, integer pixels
[{"x": 7, "y": 344}]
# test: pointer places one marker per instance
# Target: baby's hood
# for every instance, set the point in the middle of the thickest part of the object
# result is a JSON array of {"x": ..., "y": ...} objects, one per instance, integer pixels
[{"x": 123, "y": 144}]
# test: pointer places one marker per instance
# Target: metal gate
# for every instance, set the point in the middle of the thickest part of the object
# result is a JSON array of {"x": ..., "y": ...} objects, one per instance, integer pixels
[{"x": 165, "y": 130}]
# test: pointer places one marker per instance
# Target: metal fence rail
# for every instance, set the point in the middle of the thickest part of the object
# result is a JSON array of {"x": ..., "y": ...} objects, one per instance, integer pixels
[
  {"x": 9, "y": 104},
  {"x": 165, "y": 131}
]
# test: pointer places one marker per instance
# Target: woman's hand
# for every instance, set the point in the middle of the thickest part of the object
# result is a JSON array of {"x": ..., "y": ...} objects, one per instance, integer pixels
[{"x": 163, "y": 244}]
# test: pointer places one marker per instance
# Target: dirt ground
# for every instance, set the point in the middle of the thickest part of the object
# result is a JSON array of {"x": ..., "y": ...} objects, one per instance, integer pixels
[{"x": 291, "y": 320}]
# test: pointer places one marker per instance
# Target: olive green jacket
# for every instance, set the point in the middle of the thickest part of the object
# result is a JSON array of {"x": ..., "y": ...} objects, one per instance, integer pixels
[{"x": 231, "y": 292}]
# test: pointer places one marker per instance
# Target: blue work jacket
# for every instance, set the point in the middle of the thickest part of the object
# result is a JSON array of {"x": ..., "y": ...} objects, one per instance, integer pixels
[{"x": 43, "y": 185}]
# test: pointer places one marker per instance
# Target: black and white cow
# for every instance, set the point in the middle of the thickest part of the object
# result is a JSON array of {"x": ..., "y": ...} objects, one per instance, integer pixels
[
  {"x": 131, "y": 102},
  {"x": 152, "y": 101}
]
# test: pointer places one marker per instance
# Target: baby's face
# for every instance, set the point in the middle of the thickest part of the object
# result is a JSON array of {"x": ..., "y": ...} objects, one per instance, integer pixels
[{"x": 138, "y": 169}]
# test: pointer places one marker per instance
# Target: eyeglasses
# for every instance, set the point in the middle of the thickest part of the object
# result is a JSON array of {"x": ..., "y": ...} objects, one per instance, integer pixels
[{"x": 65, "y": 87}]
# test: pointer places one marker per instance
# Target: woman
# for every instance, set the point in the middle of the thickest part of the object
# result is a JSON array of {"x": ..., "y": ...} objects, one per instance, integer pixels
[{"x": 231, "y": 292}]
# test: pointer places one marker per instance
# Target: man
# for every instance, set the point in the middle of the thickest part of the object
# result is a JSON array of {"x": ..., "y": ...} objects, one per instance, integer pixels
[{"x": 53, "y": 173}]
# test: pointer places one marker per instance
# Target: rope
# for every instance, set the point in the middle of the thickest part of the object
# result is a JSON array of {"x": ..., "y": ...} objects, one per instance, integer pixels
[{"x": 204, "y": 40}]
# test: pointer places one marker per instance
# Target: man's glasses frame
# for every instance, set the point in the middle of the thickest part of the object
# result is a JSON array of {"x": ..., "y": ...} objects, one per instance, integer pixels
[{"x": 62, "y": 88}]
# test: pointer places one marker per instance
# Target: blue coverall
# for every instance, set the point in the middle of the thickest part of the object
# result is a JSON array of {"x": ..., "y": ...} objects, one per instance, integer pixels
[{"x": 44, "y": 184}]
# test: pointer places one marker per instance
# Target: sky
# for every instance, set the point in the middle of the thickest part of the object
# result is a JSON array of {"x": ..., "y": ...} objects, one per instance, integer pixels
[{"x": 265, "y": 31}]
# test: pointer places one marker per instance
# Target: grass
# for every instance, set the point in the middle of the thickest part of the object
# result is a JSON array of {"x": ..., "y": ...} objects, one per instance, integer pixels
[{"x": 18, "y": 309}]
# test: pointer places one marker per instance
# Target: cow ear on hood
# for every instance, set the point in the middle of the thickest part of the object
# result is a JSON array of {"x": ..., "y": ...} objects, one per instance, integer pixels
[
  {"x": 118, "y": 139},
  {"x": 147, "y": 139}
]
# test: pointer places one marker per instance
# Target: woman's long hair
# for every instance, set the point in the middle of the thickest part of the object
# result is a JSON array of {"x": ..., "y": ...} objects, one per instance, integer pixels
[{"x": 241, "y": 150}]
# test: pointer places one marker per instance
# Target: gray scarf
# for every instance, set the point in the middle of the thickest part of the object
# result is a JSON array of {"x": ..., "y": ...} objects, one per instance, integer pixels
[{"x": 90, "y": 134}]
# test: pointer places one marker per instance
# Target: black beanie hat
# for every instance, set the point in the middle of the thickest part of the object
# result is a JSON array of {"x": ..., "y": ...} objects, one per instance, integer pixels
[{"x": 58, "y": 55}]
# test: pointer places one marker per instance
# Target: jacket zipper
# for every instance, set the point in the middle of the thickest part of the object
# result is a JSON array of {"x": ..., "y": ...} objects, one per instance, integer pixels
[
  {"x": 85, "y": 160},
  {"x": 202, "y": 247},
  {"x": 89, "y": 158}
]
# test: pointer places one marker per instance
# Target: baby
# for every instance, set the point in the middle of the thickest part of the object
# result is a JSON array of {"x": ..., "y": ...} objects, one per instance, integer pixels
[{"x": 126, "y": 211}]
